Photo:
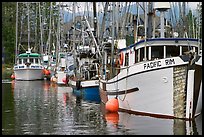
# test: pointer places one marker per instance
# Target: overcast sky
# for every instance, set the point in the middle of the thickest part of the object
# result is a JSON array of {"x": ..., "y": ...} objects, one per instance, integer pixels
[{"x": 81, "y": 6}]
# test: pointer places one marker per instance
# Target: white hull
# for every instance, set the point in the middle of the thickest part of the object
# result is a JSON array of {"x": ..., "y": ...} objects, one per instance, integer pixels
[
  {"x": 85, "y": 83},
  {"x": 60, "y": 75},
  {"x": 155, "y": 91},
  {"x": 29, "y": 74}
]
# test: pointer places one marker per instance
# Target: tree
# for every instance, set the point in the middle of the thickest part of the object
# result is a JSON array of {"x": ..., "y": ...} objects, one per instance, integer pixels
[{"x": 8, "y": 30}]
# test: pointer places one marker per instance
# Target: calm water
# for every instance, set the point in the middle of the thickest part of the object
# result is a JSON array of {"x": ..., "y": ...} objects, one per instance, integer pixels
[{"x": 43, "y": 108}]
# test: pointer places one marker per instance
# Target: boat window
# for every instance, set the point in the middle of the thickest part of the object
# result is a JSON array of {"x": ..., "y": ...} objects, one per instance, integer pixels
[
  {"x": 141, "y": 54},
  {"x": 184, "y": 50},
  {"x": 147, "y": 53},
  {"x": 31, "y": 60},
  {"x": 157, "y": 52},
  {"x": 136, "y": 55},
  {"x": 126, "y": 59},
  {"x": 172, "y": 51},
  {"x": 36, "y": 61},
  {"x": 24, "y": 60},
  {"x": 19, "y": 61},
  {"x": 196, "y": 50}
]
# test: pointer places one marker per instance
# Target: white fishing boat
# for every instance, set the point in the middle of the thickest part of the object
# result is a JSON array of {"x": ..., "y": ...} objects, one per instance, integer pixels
[
  {"x": 29, "y": 66},
  {"x": 159, "y": 77}
]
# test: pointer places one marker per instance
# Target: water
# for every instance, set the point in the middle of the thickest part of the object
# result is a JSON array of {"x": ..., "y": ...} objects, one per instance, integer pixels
[{"x": 44, "y": 108}]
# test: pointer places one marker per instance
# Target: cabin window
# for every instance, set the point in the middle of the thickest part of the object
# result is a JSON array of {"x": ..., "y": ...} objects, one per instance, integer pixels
[
  {"x": 141, "y": 54},
  {"x": 126, "y": 59},
  {"x": 147, "y": 53},
  {"x": 184, "y": 50},
  {"x": 36, "y": 61},
  {"x": 20, "y": 61},
  {"x": 172, "y": 51},
  {"x": 136, "y": 55},
  {"x": 196, "y": 50},
  {"x": 24, "y": 60},
  {"x": 31, "y": 60},
  {"x": 157, "y": 52}
]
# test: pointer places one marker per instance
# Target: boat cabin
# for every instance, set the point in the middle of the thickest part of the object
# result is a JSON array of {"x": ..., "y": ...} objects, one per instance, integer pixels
[{"x": 153, "y": 49}]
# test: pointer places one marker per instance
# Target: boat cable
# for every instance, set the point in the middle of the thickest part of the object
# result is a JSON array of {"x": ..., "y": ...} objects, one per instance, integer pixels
[{"x": 126, "y": 85}]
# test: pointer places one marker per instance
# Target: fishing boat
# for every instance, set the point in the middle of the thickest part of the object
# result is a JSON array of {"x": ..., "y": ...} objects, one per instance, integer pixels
[
  {"x": 159, "y": 77},
  {"x": 29, "y": 66},
  {"x": 86, "y": 62},
  {"x": 65, "y": 67}
]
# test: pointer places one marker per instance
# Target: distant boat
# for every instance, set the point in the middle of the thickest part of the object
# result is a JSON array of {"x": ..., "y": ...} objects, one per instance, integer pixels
[
  {"x": 65, "y": 67},
  {"x": 29, "y": 66},
  {"x": 159, "y": 77}
]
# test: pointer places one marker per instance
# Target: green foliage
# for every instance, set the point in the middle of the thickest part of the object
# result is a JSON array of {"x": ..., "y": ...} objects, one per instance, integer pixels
[
  {"x": 8, "y": 30},
  {"x": 9, "y": 26}
]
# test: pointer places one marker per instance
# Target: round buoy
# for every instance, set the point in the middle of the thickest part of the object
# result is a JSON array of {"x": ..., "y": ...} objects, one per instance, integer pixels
[
  {"x": 47, "y": 72},
  {"x": 112, "y": 105},
  {"x": 44, "y": 71},
  {"x": 54, "y": 79},
  {"x": 112, "y": 117},
  {"x": 13, "y": 76}
]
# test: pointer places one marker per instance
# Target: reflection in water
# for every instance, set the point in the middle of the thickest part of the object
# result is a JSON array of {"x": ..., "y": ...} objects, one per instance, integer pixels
[{"x": 41, "y": 108}]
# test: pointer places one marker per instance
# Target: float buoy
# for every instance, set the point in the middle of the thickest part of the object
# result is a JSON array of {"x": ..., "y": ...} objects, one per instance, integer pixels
[
  {"x": 54, "y": 79},
  {"x": 47, "y": 72},
  {"x": 112, "y": 105},
  {"x": 13, "y": 76},
  {"x": 112, "y": 117},
  {"x": 44, "y": 71}
]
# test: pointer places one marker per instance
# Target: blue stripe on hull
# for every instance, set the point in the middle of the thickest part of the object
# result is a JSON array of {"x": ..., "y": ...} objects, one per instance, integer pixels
[{"x": 90, "y": 94}]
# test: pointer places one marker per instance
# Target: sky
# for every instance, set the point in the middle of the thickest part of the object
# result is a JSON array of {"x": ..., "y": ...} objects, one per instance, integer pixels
[{"x": 81, "y": 6}]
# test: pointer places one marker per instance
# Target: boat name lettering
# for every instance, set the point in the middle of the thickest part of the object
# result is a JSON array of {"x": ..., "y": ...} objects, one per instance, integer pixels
[
  {"x": 152, "y": 64},
  {"x": 158, "y": 63},
  {"x": 169, "y": 61}
]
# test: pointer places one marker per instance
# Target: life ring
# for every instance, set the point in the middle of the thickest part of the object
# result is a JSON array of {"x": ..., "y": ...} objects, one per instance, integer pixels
[{"x": 121, "y": 58}]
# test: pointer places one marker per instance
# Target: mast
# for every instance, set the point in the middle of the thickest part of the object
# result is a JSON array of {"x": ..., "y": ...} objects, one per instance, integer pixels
[
  {"x": 123, "y": 22},
  {"x": 113, "y": 32},
  {"x": 50, "y": 23},
  {"x": 95, "y": 19},
  {"x": 28, "y": 27},
  {"x": 103, "y": 21},
  {"x": 150, "y": 14},
  {"x": 41, "y": 29},
  {"x": 74, "y": 45},
  {"x": 58, "y": 37},
  {"x": 16, "y": 33},
  {"x": 145, "y": 24},
  {"x": 95, "y": 26}
]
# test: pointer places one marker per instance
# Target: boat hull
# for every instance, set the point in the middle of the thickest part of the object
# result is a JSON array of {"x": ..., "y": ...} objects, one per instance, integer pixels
[
  {"x": 29, "y": 74},
  {"x": 86, "y": 89},
  {"x": 166, "y": 91},
  {"x": 90, "y": 94}
]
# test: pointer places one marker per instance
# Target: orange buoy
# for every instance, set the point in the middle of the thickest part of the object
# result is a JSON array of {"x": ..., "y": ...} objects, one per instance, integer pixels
[
  {"x": 44, "y": 71},
  {"x": 54, "y": 79},
  {"x": 112, "y": 105},
  {"x": 47, "y": 72},
  {"x": 13, "y": 76},
  {"x": 112, "y": 117}
]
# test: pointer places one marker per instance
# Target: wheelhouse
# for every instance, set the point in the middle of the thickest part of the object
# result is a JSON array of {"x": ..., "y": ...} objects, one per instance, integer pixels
[{"x": 153, "y": 49}]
